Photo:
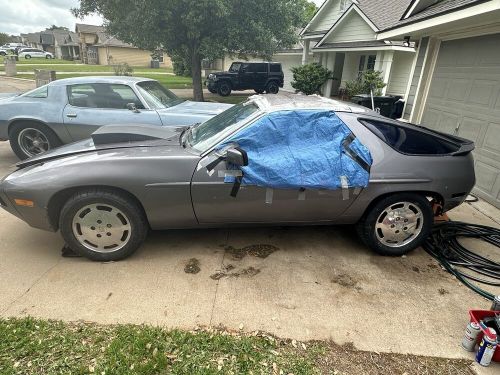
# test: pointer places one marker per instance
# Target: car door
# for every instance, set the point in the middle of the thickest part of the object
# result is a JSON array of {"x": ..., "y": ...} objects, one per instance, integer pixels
[
  {"x": 93, "y": 105},
  {"x": 247, "y": 76},
  {"x": 213, "y": 202},
  {"x": 38, "y": 53}
]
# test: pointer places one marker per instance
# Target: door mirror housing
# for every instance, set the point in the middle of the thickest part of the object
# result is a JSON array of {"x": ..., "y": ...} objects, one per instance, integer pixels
[
  {"x": 132, "y": 107},
  {"x": 237, "y": 156}
]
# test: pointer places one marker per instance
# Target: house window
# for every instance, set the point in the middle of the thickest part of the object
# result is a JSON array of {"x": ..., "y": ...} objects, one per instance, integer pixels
[
  {"x": 366, "y": 62},
  {"x": 370, "y": 65},
  {"x": 344, "y": 4}
]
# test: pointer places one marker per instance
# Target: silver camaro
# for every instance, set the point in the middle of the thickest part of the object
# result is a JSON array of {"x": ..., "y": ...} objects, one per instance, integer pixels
[
  {"x": 69, "y": 110},
  {"x": 105, "y": 193}
]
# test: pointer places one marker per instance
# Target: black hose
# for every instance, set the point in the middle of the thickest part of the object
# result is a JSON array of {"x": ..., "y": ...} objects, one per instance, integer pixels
[{"x": 463, "y": 263}]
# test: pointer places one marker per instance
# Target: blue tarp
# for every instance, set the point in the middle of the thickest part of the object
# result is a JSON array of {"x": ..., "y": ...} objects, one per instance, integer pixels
[{"x": 301, "y": 149}]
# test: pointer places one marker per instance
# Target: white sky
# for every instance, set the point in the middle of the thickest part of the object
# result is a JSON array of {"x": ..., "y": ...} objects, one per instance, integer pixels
[{"x": 25, "y": 16}]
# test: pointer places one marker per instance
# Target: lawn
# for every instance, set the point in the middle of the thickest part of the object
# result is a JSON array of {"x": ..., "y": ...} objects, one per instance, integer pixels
[
  {"x": 68, "y": 69},
  {"x": 30, "y": 346}
]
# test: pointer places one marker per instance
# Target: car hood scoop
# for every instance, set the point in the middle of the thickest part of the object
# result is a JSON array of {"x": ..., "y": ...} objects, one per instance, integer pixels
[{"x": 111, "y": 137}]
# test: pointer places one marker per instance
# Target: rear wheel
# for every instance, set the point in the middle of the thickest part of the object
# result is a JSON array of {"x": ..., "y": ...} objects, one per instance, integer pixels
[
  {"x": 27, "y": 57},
  {"x": 397, "y": 224},
  {"x": 48, "y": 56},
  {"x": 272, "y": 88},
  {"x": 103, "y": 225},
  {"x": 30, "y": 139},
  {"x": 224, "y": 89}
]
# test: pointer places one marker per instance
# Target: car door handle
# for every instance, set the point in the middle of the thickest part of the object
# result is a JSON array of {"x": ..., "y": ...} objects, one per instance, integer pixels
[{"x": 71, "y": 115}]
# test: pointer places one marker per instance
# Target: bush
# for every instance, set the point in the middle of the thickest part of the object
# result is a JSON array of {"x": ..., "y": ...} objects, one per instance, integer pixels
[
  {"x": 363, "y": 85},
  {"x": 181, "y": 66},
  {"x": 310, "y": 77},
  {"x": 123, "y": 69}
]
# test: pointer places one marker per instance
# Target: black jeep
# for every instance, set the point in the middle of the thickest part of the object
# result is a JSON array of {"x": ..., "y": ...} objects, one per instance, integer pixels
[{"x": 259, "y": 76}]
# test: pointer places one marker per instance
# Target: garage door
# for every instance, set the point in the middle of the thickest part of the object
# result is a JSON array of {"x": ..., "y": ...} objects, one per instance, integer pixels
[
  {"x": 464, "y": 99},
  {"x": 287, "y": 63}
]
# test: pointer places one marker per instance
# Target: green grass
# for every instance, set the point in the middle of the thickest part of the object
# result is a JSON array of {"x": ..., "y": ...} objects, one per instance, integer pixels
[
  {"x": 30, "y": 346},
  {"x": 40, "y": 61}
]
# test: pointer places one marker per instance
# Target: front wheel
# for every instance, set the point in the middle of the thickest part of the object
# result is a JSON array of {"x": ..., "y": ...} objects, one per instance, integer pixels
[
  {"x": 397, "y": 224},
  {"x": 224, "y": 89},
  {"x": 103, "y": 225},
  {"x": 272, "y": 88},
  {"x": 27, "y": 57},
  {"x": 31, "y": 139},
  {"x": 48, "y": 57}
]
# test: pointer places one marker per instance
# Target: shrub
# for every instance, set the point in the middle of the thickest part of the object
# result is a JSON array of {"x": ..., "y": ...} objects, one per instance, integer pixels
[
  {"x": 363, "y": 85},
  {"x": 181, "y": 66},
  {"x": 310, "y": 77},
  {"x": 123, "y": 69}
]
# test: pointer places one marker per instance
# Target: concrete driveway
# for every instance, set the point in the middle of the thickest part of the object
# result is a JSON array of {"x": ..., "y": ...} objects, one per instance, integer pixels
[{"x": 304, "y": 283}]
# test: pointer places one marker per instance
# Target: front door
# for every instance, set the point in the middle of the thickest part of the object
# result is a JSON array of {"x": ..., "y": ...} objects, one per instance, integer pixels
[{"x": 91, "y": 106}]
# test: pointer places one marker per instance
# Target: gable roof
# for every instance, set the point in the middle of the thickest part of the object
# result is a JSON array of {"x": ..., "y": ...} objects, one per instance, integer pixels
[
  {"x": 384, "y": 13},
  {"x": 86, "y": 28}
]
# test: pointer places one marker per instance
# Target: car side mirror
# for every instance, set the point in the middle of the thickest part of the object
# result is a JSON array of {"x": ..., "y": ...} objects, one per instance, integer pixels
[
  {"x": 237, "y": 156},
  {"x": 132, "y": 107}
]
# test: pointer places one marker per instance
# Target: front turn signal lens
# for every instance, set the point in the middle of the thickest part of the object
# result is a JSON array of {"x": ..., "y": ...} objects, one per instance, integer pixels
[{"x": 24, "y": 202}]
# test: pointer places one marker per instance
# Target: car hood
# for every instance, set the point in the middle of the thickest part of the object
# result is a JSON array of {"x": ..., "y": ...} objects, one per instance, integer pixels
[
  {"x": 111, "y": 139},
  {"x": 201, "y": 108}
]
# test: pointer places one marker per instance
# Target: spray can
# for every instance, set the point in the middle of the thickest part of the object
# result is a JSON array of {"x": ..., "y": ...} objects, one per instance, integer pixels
[
  {"x": 496, "y": 304},
  {"x": 487, "y": 347},
  {"x": 471, "y": 332}
]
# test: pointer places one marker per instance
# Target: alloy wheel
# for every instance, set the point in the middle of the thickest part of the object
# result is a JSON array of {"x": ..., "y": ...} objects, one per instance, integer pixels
[
  {"x": 101, "y": 227},
  {"x": 32, "y": 141},
  {"x": 399, "y": 224}
]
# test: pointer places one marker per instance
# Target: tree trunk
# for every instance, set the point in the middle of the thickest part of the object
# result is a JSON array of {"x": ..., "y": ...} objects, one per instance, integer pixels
[{"x": 196, "y": 71}]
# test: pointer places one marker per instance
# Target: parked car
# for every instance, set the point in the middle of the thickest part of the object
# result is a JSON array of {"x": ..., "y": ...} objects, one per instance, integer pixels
[
  {"x": 29, "y": 53},
  {"x": 68, "y": 110},
  {"x": 5, "y": 50},
  {"x": 259, "y": 76},
  {"x": 104, "y": 194}
]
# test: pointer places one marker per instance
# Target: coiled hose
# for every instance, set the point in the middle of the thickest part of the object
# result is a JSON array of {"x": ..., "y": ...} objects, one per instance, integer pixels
[{"x": 466, "y": 265}]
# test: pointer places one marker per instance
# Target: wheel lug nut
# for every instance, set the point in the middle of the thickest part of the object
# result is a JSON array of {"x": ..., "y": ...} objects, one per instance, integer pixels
[
  {"x": 99, "y": 236},
  {"x": 109, "y": 225},
  {"x": 99, "y": 222},
  {"x": 405, "y": 228},
  {"x": 108, "y": 234},
  {"x": 93, "y": 228}
]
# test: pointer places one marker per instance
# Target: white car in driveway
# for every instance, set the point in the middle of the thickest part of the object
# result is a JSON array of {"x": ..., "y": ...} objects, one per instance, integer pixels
[{"x": 29, "y": 53}]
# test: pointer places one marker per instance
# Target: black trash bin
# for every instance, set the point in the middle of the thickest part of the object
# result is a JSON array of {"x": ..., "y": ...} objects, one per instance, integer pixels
[
  {"x": 155, "y": 64},
  {"x": 388, "y": 106}
]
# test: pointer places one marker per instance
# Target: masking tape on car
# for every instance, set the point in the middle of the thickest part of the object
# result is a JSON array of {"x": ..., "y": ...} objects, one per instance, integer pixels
[
  {"x": 230, "y": 173},
  {"x": 205, "y": 161},
  {"x": 269, "y": 195},
  {"x": 345, "y": 187}
]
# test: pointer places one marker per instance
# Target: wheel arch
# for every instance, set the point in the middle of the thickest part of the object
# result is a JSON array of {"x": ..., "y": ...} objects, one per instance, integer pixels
[
  {"x": 58, "y": 200},
  {"x": 28, "y": 121},
  {"x": 436, "y": 197}
]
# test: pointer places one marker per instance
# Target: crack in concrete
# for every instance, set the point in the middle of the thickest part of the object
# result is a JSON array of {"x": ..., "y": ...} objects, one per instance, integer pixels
[
  {"x": 29, "y": 288},
  {"x": 218, "y": 281}
]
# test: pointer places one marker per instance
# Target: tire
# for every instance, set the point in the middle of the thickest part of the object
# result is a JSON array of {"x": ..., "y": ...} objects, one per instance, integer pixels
[
  {"x": 20, "y": 144},
  {"x": 48, "y": 57},
  {"x": 87, "y": 234},
  {"x": 272, "y": 88},
  {"x": 213, "y": 91},
  {"x": 259, "y": 91},
  {"x": 27, "y": 57},
  {"x": 224, "y": 88},
  {"x": 384, "y": 229}
]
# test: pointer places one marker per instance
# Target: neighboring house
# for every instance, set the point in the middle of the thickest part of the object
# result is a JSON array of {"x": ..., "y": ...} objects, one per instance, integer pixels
[
  {"x": 99, "y": 48},
  {"x": 62, "y": 43}
]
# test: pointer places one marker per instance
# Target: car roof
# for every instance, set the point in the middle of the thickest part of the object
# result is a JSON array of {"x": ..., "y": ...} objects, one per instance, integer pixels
[
  {"x": 289, "y": 101},
  {"x": 99, "y": 79}
]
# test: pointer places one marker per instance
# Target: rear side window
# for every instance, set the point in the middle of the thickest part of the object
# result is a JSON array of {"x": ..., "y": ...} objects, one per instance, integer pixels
[
  {"x": 275, "y": 68},
  {"x": 260, "y": 68},
  {"x": 410, "y": 141},
  {"x": 102, "y": 95}
]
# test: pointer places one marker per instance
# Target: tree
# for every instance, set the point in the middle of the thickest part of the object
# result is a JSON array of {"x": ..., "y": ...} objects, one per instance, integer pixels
[
  {"x": 54, "y": 27},
  {"x": 201, "y": 29},
  {"x": 4, "y": 38},
  {"x": 310, "y": 77},
  {"x": 309, "y": 10}
]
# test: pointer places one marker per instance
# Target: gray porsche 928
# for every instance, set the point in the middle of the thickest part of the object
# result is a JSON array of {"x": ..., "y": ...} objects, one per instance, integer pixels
[{"x": 271, "y": 160}]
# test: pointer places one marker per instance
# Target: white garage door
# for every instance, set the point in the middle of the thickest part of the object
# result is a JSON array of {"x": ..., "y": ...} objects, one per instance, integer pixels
[
  {"x": 287, "y": 63},
  {"x": 464, "y": 98}
]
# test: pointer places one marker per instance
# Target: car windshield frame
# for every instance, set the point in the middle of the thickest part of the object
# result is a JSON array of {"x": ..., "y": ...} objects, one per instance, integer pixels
[
  {"x": 152, "y": 99},
  {"x": 235, "y": 70},
  {"x": 229, "y": 122}
]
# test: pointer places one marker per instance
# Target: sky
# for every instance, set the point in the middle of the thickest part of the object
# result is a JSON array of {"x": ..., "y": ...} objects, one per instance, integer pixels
[{"x": 25, "y": 16}]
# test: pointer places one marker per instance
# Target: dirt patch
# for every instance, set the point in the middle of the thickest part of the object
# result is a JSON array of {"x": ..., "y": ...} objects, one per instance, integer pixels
[
  {"x": 346, "y": 281},
  {"x": 248, "y": 272},
  {"x": 192, "y": 266},
  {"x": 346, "y": 359},
  {"x": 258, "y": 251}
]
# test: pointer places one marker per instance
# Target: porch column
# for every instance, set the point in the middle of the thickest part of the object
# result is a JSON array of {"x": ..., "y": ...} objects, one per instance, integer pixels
[
  {"x": 305, "y": 51},
  {"x": 386, "y": 68},
  {"x": 379, "y": 60},
  {"x": 330, "y": 65}
]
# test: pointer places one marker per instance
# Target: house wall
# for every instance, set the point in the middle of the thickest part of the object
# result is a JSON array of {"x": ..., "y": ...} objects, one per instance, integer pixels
[
  {"x": 400, "y": 73},
  {"x": 352, "y": 28},
  {"x": 131, "y": 56},
  {"x": 329, "y": 15},
  {"x": 351, "y": 66}
]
